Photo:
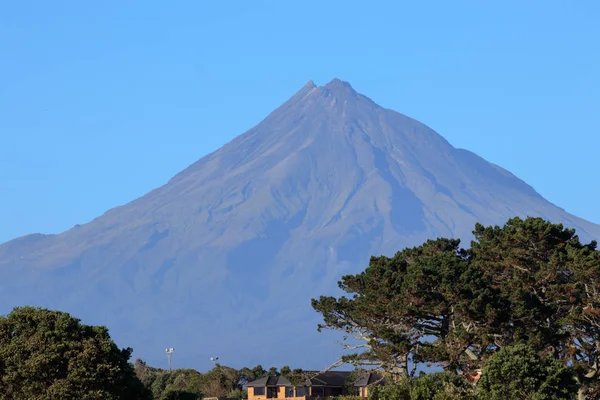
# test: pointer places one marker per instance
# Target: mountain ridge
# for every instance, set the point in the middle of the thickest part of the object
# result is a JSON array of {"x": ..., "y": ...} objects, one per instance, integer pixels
[{"x": 248, "y": 233}]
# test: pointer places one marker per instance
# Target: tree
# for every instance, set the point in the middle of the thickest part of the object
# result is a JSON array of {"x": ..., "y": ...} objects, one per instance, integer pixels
[
  {"x": 426, "y": 304},
  {"x": 529, "y": 282},
  {"x": 179, "y": 395},
  {"x": 183, "y": 382},
  {"x": 48, "y": 354},
  {"x": 552, "y": 282},
  {"x": 354, "y": 377},
  {"x": 297, "y": 376},
  {"x": 239, "y": 394},
  {"x": 518, "y": 372},
  {"x": 251, "y": 374},
  {"x": 435, "y": 386},
  {"x": 221, "y": 381}
]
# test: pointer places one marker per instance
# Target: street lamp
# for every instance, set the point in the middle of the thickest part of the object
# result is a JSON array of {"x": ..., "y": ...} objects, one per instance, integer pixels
[{"x": 169, "y": 351}]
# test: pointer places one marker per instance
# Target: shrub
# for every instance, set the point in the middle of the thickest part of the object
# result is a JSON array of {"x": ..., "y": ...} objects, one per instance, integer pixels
[
  {"x": 436, "y": 386},
  {"x": 517, "y": 372}
]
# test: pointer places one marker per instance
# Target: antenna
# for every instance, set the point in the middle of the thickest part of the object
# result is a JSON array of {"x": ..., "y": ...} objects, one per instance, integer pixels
[
  {"x": 214, "y": 360},
  {"x": 169, "y": 352}
]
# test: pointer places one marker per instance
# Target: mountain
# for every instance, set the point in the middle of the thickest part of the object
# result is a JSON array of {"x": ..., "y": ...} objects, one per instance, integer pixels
[{"x": 224, "y": 259}]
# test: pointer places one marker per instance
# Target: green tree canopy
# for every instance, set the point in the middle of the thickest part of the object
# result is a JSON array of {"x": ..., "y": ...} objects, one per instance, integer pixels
[
  {"x": 296, "y": 376},
  {"x": 184, "y": 383},
  {"x": 48, "y": 354},
  {"x": 435, "y": 386},
  {"x": 552, "y": 283},
  {"x": 251, "y": 374},
  {"x": 221, "y": 381},
  {"x": 530, "y": 282},
  {"x": 425, "y": 304},
  {"x": 517, "y": 372}
]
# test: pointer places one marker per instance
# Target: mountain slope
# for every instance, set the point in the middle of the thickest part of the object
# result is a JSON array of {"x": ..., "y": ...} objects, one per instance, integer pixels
[{"x": 225, "y": 257}]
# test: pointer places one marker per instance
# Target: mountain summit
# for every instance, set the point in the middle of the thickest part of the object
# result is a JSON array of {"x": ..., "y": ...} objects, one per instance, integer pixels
[{"x": 224, "y": 259}]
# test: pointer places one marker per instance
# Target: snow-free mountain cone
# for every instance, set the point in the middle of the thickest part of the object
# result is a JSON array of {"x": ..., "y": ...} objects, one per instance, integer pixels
[{"x": 226, "y": 256}]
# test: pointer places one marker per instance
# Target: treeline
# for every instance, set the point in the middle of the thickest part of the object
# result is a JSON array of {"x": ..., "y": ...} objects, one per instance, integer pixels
[
  {"x": 221, "y": 381},
  {"x": 522, "y": 303},
  {"x": 46, "y": 354}
]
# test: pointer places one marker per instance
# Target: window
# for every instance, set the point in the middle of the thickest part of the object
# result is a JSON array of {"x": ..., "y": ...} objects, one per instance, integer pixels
[
  {"x": 289, "y": 391},
  {"x": 272, "y": 392},
  {"x": 259, "y": 391},
  {"x": 318, "y": 391},
  {"x": 300, "y": 391}
]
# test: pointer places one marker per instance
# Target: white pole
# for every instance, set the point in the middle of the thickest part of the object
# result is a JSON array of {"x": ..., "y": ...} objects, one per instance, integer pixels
[{"x": 169, "y": 352}]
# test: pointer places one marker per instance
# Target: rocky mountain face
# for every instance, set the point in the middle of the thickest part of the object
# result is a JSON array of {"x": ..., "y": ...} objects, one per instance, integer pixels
[{"x": 224, "y": 259}]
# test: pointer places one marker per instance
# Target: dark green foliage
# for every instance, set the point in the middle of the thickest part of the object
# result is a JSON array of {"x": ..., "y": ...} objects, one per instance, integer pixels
[
  {"x": 238, "y": 394},
  {"x": 251, "y": 374},
  {"x": 296, "y": 376},
  {"x": 400, "y": 304},
  {"x": 179, "y": 395},
  {"x": 529, "y": 282},
  {"x": 436, "y": 386},
  {"x": 221, "y": 381},
  {"x": 519, "y": 373},
  {"x": 349, "y": 397},
  {"x": 355, "y": 375},
  {"x": 552, "y": 282},
  {"x": 185, "y": 383},
  {"x": 48, "y": 354}
]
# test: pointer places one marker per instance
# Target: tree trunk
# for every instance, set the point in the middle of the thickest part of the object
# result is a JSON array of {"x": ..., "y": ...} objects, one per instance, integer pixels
[
  {"x": 404, "y": 367},
  {"x": 399, "y": 371}
]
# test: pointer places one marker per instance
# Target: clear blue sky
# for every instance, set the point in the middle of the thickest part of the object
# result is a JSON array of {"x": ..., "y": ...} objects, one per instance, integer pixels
[{"x": 101, "y": 102}]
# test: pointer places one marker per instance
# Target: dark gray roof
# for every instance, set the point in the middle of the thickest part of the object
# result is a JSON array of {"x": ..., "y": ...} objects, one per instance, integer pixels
[
  {"x": 269, "y": 381},
  {"x": 330, "y": 378},
  {"x": 369, "y": 378}
]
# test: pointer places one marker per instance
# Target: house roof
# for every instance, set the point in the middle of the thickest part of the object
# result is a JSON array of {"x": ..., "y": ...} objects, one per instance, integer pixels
[
  {"x": 369, "y": 378},
  {"x": 329, "y": 378},
  {"x": 269, "y": 381}
]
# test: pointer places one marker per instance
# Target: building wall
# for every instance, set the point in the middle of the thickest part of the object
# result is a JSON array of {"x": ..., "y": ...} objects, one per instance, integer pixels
[
  {"x": 280, "y": 394},
  {"x": 363, "y": 391},
  {"x": 252, "y": 396}
]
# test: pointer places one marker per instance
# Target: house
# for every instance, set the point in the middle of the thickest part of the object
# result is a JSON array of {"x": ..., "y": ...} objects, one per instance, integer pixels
[
  {"x": 272, "y": 387},
  {"x": 320, "y": 385},
  {"x": 367, "y": 381}
]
